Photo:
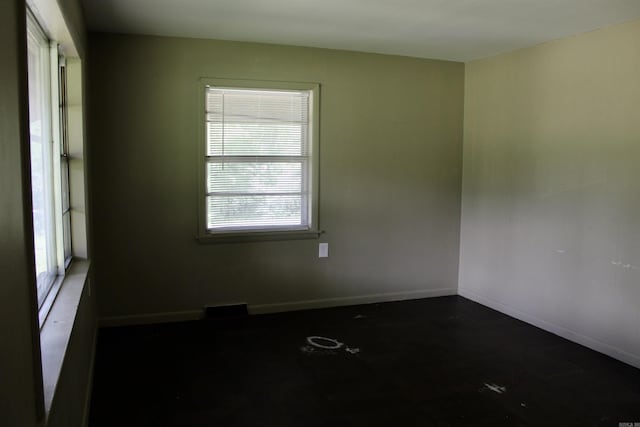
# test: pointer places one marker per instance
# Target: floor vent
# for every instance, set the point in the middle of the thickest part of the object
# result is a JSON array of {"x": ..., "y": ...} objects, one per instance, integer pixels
[{"x": 224, "y": 311}]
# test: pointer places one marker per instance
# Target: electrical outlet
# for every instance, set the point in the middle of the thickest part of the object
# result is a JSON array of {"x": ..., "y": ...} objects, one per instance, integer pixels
[{"x": 323, "y": 250}]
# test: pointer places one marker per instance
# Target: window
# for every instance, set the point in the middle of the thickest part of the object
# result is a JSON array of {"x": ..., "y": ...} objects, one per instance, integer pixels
[
  {"x": 260, "y": 157},
  {"x": 49, "y": 162}
]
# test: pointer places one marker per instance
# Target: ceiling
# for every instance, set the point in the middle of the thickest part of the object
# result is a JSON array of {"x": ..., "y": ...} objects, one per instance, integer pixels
[{"x": 458, "y": 30}]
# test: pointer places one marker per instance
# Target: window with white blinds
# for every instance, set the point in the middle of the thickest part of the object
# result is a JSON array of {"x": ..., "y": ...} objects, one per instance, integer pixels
[{"x": 258, "y": 160}]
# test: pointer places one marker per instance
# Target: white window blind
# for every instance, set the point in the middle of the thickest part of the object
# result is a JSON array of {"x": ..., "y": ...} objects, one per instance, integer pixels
[{"x": 257, "y": 159}]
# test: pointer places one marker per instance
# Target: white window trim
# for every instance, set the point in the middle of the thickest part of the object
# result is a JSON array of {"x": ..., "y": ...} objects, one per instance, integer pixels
[
  {"x": 53, "y": 137},
  {"x": 312, "y": 230}
]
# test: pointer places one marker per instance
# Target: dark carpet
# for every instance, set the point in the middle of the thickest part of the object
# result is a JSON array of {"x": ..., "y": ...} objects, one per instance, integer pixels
[{"x": 432, "y": 362}]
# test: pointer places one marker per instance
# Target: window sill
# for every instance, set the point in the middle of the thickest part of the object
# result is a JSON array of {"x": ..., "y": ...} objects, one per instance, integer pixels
[
  {"x": 56, "y": 330},
  {"x": 258, "y": 236}
]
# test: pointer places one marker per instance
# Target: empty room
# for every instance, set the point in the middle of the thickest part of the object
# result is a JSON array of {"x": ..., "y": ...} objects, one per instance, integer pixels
[{"x": 296, "y": 213}]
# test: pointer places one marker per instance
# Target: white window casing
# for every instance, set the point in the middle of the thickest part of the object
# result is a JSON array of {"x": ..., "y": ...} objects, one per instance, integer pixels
[{"x": 260, "y": 158}]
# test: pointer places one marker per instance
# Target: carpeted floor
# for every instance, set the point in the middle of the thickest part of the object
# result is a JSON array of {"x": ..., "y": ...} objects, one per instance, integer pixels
[{"x": 432, "y": 362}]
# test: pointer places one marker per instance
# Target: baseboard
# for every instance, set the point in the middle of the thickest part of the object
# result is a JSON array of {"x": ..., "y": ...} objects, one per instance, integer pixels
[
  {"x": 563, "y": 332},
  {"x": 88, "y": 392},
  {"x": 150, "y": 318},
  {"x": 342, "y": 301},
  {"x": 180, "y": 316}
]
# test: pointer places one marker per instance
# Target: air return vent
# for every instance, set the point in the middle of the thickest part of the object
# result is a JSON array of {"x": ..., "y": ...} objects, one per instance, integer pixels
[{"x": 226, "y": 311}]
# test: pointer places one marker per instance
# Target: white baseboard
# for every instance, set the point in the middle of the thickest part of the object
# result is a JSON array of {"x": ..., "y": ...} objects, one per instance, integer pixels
[
  {"x": 342, "y": 301},
  {"x": 563, "y": 332},
  {"x": 150, "y": 318},
  {"x": 180, "y": 316}
]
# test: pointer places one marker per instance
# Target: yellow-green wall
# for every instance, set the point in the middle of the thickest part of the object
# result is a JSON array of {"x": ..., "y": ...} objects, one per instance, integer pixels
[
  {"x": 390, "y": 158},
  {"x": 21, "y": 381},
  {"x": 551, "y": 185}
]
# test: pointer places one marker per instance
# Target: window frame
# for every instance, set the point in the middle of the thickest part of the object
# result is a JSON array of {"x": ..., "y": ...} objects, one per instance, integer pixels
[
  {"x": 57, "y": 138},
  {"x": 289, "y": 233}
]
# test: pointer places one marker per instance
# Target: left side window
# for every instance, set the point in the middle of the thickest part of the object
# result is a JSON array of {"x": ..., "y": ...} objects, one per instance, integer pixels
[{"x": 49, "y": 162}]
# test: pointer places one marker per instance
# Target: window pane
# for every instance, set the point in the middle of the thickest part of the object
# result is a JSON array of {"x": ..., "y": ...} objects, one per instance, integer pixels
[
  {"x": 36, "y": 95},
  {"x": 257, "y": 171},
  {"x": 41, "y": 160},
  {"x": 256, "y": 139},
  {"x": 257, "y": 122},
  {"x": 254, "y": 211},
  {"x": 254, "y": 177}
]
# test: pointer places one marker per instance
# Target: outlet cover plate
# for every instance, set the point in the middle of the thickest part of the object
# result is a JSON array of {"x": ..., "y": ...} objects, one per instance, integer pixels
[{"x": 323, "y": 250}]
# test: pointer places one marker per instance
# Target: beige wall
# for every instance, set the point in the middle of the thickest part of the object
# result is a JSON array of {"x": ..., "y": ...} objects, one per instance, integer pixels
[
  {"x": 551, "y": 185},
  {"x": 74, "y": 17},
  {"x": 391, "y": 135}
]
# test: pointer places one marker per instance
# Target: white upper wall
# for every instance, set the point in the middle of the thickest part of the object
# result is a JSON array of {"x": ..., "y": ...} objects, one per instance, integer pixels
[{"x": 458, "y": 30}]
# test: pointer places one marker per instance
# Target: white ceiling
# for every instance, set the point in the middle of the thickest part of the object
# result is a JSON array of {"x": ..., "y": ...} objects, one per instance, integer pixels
[{"x": 457, "y": 30}]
